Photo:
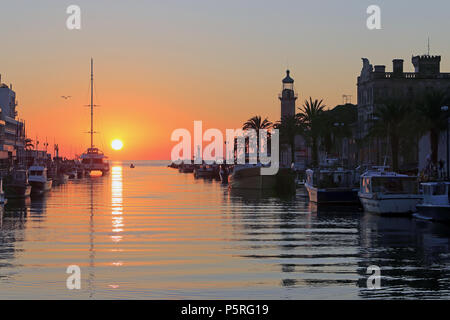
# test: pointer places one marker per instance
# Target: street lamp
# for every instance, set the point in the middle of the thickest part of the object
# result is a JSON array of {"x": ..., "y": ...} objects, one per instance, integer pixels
[{"x": 445, "y": 109}]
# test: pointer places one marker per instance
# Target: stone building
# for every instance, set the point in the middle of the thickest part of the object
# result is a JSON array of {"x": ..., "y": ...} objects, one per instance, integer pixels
[{"x": 375, "y": 85}]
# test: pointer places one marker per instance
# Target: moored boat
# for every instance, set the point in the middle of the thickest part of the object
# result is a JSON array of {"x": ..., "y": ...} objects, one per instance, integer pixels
[
  {"x": 38, "y": 179},
  {"x": 72, "y": 174},
  {"x": 204, "y": 171},
  {"x": 248, "y": 176},
  {"x": 186, "y": 168},
  {"x": 388, "y": 192},
  {"x": 16, "y": 185},
  {"x": 332, "y": 187},
  {"x": 61, "y": 178},
  {"x": 436, "y": 201}
]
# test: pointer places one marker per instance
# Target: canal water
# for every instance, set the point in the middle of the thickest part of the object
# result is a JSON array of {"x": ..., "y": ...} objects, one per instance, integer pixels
[{"x": 151, "y": 232}]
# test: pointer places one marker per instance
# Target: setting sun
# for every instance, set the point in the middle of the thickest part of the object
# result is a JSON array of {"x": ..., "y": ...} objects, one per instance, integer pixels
[{"x": 117, "y": 144}]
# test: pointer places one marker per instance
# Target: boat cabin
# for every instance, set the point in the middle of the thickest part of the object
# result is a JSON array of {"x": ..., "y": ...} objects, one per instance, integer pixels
[
  {"x": 326, "y": 178},
  {"x": 37, "y": 173},
  {"x": 388, "y": 183},
  {"x": 436, "y": 193},
  {"x": 19, "y": 176}
]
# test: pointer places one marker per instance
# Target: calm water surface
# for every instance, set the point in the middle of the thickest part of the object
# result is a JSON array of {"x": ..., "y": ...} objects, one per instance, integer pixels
[{"x": 151, "y": 232}]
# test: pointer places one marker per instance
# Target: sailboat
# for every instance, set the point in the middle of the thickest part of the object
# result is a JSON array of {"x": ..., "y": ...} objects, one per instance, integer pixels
[{"x": 93, "y": 159}]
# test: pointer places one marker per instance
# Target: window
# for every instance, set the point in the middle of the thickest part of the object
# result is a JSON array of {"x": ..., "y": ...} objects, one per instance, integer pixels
[{"x": 394, "y": 185}]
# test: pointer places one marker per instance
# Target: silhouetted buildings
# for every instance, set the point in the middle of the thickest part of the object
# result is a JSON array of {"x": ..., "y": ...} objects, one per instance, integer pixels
[
  {"x": 375, "y": 85},
  {"x": 12, "y": 130}
]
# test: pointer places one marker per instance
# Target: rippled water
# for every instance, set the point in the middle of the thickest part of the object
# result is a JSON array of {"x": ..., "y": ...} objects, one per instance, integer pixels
[{"x": 151, "y": 232}]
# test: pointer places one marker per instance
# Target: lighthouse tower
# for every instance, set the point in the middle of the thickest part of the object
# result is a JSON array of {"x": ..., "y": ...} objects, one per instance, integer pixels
[{"x": 288, "y": 97}]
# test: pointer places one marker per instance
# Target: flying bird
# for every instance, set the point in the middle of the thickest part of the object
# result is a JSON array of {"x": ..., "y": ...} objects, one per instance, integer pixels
[{"x": 66, "y": 97}]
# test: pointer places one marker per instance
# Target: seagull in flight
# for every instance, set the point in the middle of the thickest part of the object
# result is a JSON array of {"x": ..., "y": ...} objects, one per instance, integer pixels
[{"x": 66, "y": 97}]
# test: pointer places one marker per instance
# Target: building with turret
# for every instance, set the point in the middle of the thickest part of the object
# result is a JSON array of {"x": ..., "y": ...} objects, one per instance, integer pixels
[{"x": 375, "y": 85}]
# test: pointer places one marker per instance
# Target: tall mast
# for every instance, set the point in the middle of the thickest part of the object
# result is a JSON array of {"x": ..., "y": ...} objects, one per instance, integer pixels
[{"x": 92, "y": 103}]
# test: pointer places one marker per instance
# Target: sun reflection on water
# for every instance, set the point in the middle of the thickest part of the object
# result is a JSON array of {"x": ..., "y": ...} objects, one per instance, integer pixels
[{"x": 117, "y": 203}]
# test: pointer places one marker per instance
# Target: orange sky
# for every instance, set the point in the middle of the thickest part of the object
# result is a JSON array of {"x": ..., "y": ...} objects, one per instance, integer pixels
[{"x": 160, "y": 65}]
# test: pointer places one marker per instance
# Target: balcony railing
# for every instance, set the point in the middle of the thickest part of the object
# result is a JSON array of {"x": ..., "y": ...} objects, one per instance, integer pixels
[{"x": 409, "y": 75}]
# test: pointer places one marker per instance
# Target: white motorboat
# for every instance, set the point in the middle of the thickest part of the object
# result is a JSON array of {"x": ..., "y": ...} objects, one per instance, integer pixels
[
  {"x": 39, "y": 180},
  {"x": 388, "y": 192},
  {"x": 436, "y": 201},
  {"x": 332, "y": 186}
]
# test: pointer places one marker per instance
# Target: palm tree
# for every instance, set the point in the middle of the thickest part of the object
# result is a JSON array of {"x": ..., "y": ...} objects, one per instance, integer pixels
[
  {"x": 311, "y": 115},
  {"x": 431, "y": 119},
  {"x": 29, "y": 144},
  {"x": 256, "y": 123},
  {"x": 388, "y": 121},
  {"x": 289, "y": 127}
]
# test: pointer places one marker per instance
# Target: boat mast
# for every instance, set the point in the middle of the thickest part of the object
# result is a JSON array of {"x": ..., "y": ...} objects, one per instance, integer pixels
[{"x": 92, "y": 103}]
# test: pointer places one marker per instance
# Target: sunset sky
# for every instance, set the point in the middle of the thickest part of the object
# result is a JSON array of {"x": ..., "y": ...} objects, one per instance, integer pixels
[{"x": 160, "y": 65}]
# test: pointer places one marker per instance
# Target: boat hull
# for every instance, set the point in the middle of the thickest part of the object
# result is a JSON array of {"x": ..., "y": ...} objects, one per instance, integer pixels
[
  {"x": 253, "y": 182},
  {"x": 435, "y": 212},
  {"x": 203, "y": 174},
  {"x": 344, "y": 196},
  {"x": 61, "y": 179},
  {"x": 17, "y": 191},
  {"x": 251, "y": 178},
  {"x": 38, "y": 187},
  {"x": 390, "y": 205},
  {"x": 223, "y": 177}
]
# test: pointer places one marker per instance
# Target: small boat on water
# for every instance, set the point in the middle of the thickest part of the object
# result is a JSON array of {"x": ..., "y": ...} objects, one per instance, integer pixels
[
  {"x": 436, "y": 201},
  {"x": 61, "y": 178},
  {"x": 16, "y": 185},
  {"x": 204, "y": 171},
  {"x": 388, "y": 192},
  {"x": 72, "y": 174},
  {"x": 40, "y": 182},
  {"x": 58, "y": 176},
  {"x": 186, "y": 168},
  {"x": 248, "y": 176},
  {"x": 332, "y": 186}
]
